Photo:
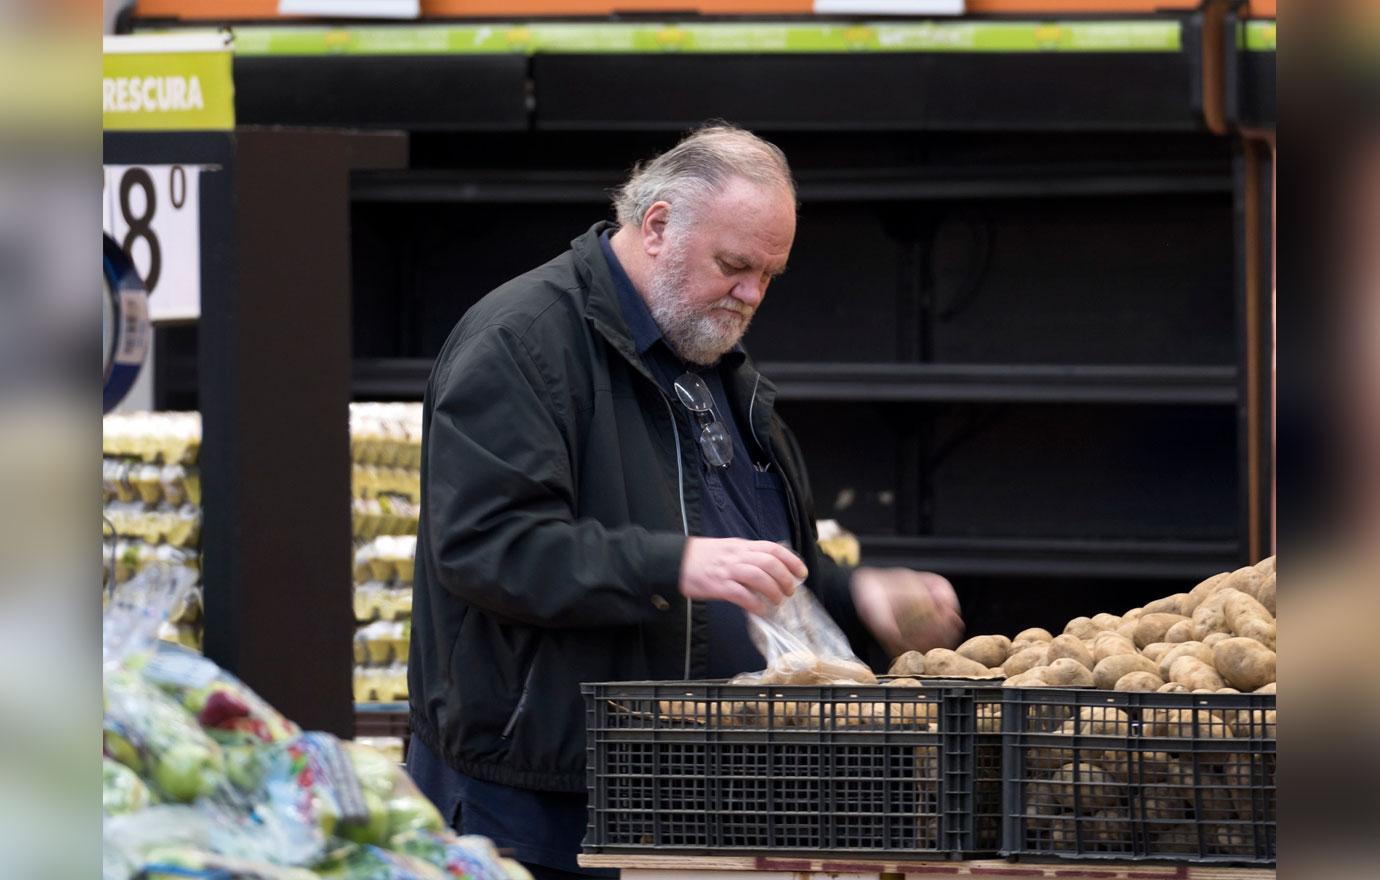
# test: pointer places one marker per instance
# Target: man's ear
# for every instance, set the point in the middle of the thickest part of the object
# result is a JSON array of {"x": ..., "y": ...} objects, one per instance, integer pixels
[{"x": 654, "y": 227}]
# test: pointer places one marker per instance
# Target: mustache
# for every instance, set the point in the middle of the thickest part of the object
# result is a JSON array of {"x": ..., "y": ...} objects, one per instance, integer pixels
[{"x": 734, "y": 305}]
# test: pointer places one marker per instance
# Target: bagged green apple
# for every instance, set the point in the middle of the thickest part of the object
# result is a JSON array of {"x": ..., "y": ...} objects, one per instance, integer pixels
[
  {"x": 132, "y": 841},
  {"x": 145, "y": 730},
  {"x": 122, "y": 791},
  {"x": 230, "y": 713}
]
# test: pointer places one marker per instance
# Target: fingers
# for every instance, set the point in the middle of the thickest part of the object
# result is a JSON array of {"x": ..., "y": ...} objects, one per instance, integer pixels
[
  {"x": 743, "y": 598},
  {"x": 775, "y": 569},
  {"x": 757, "y": 580},
  {"x": 785, "y": 557}
]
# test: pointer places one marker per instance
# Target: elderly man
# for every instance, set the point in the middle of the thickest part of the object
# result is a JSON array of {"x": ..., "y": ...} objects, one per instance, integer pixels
[{"x": 607, "y": 491}]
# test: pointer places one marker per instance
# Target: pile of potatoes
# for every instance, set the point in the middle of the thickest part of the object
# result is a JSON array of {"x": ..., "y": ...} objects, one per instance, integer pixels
[{"x": 1218, "y": 637}]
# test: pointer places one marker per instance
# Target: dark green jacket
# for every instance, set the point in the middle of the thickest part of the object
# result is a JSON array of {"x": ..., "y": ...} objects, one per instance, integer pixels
[{"x": 558, "y": 484}]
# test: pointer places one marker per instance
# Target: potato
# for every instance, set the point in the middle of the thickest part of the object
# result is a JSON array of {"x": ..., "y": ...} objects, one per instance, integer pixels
[
  {"x": 909, "y": 663},
  {"x": 1086, "y": 788},
  {"x": 1138, "y": 681},
  {"x": 1157, "y": 650},
  {"x": 1029, "y": 678},
  {"x": 1029, "y": 658},
  {"x": 1211, "y": 616},
  {"x": 1259, "y": 629},
  {"x": 1240, "y": 606},
  {"x": 1109, "y": 643},
  {"x": 1266, "y": 688},
  {"x": 988, "y": 650},
  {"x": 1180, "y": 632},
  {"x": 1171, "y": 687},
  {"x": 1266, "y": 566},
  {"x": 1266, "y": 593},
  {"x": 1182, "y": 724},
  {"x": 1133, "y": 615},
  {"x": 1151, "y": 628},
  {"x": 1245, "y": 580},
  {"x": 1072, "y": 647},
  {"x": 846, "y": 671},
  {"x": 1189, "y": 649},
  {"x": 1033, "y": 634},
  {"x": 1213, "y": 638},
  {"x": 1168, "y": 605},
  {"x": 1200, "y": 593},
  {"x": 942, "y": 661},
  {"x": 685, "y": 711},
  {"x": 1194, "y": 674},
  {"x": 1105, "y": 621},
  {"x": 1109, "y": 829},
  {"x": 1067, "y": 672},
  {"x": 1111, "y": 668},
  {"x": 1082, "y": 628},
  {"x": 1244, "y": 663},
  {"x": 1097, "y": 721},
  {"x": 903, "y": 683},
  {"x": 1127, "y": 630}
]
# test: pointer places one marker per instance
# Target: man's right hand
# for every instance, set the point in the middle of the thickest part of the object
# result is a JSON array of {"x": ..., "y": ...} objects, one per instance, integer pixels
[{"x": 753, "y": 575}]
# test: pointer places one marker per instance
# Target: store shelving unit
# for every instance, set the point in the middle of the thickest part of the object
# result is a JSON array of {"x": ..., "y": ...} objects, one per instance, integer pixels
[{"x": 1020, "y": 340}]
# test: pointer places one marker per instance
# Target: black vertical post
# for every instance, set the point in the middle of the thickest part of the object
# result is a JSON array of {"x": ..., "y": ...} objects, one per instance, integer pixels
[{"x": 275, "y": 389}]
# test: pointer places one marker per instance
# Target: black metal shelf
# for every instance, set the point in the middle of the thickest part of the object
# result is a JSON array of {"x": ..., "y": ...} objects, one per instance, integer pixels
[
  {"x": 919, "y": 383},
  {"x": 1049, "y": 557},
  {"x": 873, "y": 185}
]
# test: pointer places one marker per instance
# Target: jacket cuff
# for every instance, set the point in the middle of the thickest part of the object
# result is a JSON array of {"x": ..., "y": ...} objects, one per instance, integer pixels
[{"x": 660, "y": 579}]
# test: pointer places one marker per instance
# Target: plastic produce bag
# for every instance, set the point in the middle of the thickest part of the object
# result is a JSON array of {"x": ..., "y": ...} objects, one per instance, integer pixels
[
  {"x": 122, "y": 791},
  {"x": 344, "y": 790},
  {"x": 803, "y": 645},
  {"x": 132, "y": 842},
  {"x": 148, "y": 732},
  {"x": 470, "y": 856}
]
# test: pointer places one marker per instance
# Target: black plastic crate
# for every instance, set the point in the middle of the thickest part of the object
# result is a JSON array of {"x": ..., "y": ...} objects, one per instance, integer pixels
[
  {"x": 712, "y": 768},
  {"x": 1132, "y": 776}
]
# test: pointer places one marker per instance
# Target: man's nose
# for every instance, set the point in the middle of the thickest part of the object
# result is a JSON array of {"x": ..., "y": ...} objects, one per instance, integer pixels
[{"x": 749, "y": 292}]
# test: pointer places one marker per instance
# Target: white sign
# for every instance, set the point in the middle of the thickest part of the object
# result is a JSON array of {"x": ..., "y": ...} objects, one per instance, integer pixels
[
  {"x": 889, "y": 7},
  {"x": 154, "y": 213},
  {"x": 352, "y": 8}
]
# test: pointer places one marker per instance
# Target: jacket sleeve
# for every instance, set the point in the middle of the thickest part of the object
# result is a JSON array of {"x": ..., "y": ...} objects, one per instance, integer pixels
[{"x": 500, "y": 499}]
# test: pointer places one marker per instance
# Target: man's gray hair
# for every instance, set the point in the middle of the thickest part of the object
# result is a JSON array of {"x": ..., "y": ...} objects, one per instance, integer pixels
[{"x": 686, "y": 175}]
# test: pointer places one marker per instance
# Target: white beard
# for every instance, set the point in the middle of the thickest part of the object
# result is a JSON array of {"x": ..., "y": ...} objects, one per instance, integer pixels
[{"x": 697, "y": 333}]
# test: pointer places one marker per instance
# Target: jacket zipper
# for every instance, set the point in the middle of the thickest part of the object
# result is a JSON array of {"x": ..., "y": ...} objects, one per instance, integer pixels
[
  {"x": 522, "y": 701},
  {"x": 684, "y": 520}
]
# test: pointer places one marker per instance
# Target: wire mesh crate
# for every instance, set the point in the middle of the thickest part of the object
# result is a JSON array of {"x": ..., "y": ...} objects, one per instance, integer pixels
[
  {"x": 712, "y": 768},
  {"x": 1131, "y": 776}
]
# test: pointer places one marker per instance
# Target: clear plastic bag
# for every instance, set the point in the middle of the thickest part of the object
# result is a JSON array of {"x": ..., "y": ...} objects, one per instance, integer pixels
[{"x": 803, "y": 645}]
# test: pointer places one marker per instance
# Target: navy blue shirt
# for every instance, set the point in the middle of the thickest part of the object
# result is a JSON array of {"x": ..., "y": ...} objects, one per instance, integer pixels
[{"x": 744, "y": 500}]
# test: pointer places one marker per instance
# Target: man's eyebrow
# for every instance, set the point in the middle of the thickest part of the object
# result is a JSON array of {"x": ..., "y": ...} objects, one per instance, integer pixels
[{"x": 742, "y": 260}]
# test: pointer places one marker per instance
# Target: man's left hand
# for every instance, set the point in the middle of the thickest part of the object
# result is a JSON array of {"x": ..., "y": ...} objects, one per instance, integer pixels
[{"x": 907, "y": 610}]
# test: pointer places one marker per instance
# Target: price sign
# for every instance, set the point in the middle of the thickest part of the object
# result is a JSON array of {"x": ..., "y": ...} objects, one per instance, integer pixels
[{"x": 154, "y": 213}]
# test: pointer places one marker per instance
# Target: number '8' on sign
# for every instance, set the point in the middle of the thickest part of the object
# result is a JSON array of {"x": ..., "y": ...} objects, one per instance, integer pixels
[{"x": 153, "y": 212}]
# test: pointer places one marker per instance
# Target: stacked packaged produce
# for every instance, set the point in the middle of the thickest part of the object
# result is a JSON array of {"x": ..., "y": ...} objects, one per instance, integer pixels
[
  {"x": 203, "y": 778},
  {"x": 386, "y": 451},
  {"x": 383, "y": 610},
  {"x": 151, "y": 497}
]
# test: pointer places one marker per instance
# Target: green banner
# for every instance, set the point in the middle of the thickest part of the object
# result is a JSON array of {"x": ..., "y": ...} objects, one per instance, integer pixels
[
  {"x": 752, "y": 37},
  {"x": 168, "y": 91},
  {"x": 1259, "y": 36}
]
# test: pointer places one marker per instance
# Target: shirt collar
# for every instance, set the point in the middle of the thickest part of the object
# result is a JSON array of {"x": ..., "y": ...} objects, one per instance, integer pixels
[{"x": 641, "y": 324}]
